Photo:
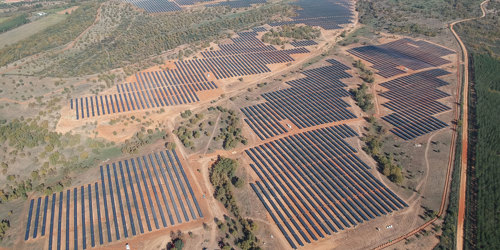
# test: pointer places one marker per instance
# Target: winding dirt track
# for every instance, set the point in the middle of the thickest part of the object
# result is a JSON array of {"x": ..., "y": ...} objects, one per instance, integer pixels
[
  {"x": 465, "y": 132},
  {"x": 463, "y": 161}
]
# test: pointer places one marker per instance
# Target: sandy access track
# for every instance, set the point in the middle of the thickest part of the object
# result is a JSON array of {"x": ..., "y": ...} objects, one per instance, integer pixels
[{"x": 465, "y": 130}]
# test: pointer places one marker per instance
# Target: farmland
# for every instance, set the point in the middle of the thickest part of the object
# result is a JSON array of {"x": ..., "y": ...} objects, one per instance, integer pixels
[{"x": 200, "y": 124}]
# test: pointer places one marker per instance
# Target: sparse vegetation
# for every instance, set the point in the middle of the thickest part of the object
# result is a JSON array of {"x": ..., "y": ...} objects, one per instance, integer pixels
[
  {"x": 14, "y": 22},
  {"x": 363, "y": 99},
  {"x": 373, "y": 145},
  {"x": 4, "y": 226},
  {"x": 287, "y": 32},
  {"x": 240, "y": 229},
  {"x": 140, "y": 139},
  {"x": 412, "y": 17},
  {"x": 54, "y": 154},
  {"x": 229, "y": 132}
]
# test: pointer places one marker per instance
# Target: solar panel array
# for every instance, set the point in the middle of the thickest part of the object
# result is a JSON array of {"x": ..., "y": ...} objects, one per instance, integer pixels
[
  {"x": 152, "y": 90},
  {"x": 155, "y": 6},
  {"x": 237, "y": 3},
  {"x": 413, "y": 99},
  {"x": 327, "y": 14},
  {"x": 244, "y": 55},
  {"x": 313, "y": 184},
  {"x": 190, "y": 2},
  {"x": 144, "y": 194},
  {"x": 313, "y": 100},
  {"x": 389, "y": 57},
  {"x": 303, "y": 43}
]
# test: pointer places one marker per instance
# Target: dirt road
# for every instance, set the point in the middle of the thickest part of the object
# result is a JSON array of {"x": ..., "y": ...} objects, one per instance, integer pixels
[{"x": 465, "y": 130}]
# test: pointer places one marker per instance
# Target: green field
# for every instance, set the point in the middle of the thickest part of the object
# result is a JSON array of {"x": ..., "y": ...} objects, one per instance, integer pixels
[{"x": 27, "y": 30}]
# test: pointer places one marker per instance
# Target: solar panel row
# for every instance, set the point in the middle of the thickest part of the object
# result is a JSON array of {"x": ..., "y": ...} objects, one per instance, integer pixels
[
  {"x": 155, "y": 6},
  {"x": 118, "y": 190},
  {"x": 316, "y": 184},
  {"x": 313, "y": 100},
  {"x": 303, "y": 43},
  {"x": 389, "y": 58},
  {"x": 326, "y": 14},
  {"x": 413, "y": 99},
  {"x": 237, "y": 3}
]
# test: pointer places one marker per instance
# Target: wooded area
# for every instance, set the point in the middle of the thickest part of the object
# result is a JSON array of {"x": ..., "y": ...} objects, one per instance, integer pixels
[
  {"x": 14, "y": 22},
  {"x": 278, "y": 36},
  {"x": 222, "y": 177},
  {"x": 412, "y": 17},
  {"x": 487, "y": 86}
]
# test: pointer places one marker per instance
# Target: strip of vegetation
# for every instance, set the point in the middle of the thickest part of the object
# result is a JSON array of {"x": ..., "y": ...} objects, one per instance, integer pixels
[
  {"x": 54, "y": 36},
  {"x": 363, "y": 99},
  {"x": 140, "y": 139},
  {"x": 447, "y": 239},
  {"x": 239, "y": 229},
  {"x": 276, "y": 37},
  {"x": 365, "y": 74},
  {"x": 487, "y": 86},
  {"x": 14, "y": 22},
  {"x": 385, "y": 162}
]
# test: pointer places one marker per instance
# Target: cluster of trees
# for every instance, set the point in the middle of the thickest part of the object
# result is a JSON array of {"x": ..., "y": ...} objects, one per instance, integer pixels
[
  {"x": 52, "y": 37},
  {"x": 187, "y": 135},
  {"x": 176, "y": 242},
  {"x": 290, "y": 31},
  {"x": 222, "y": 177},
  {"x": 373, "y": 146},
  {"x": 14, "y": 22},
  {"x": 241, "y": 230},
  {"x": 140, "y": 139},
  {"x": 231, "y": 133},
  {"x": 54, "y": 155},
  {"x": 20, "y": 134},
  {"x": 365, "y": 74},
  {"x": 363, "y": 99},
  {"x": 4, "y": 226},
  {"x": 119, "y": 46}
]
